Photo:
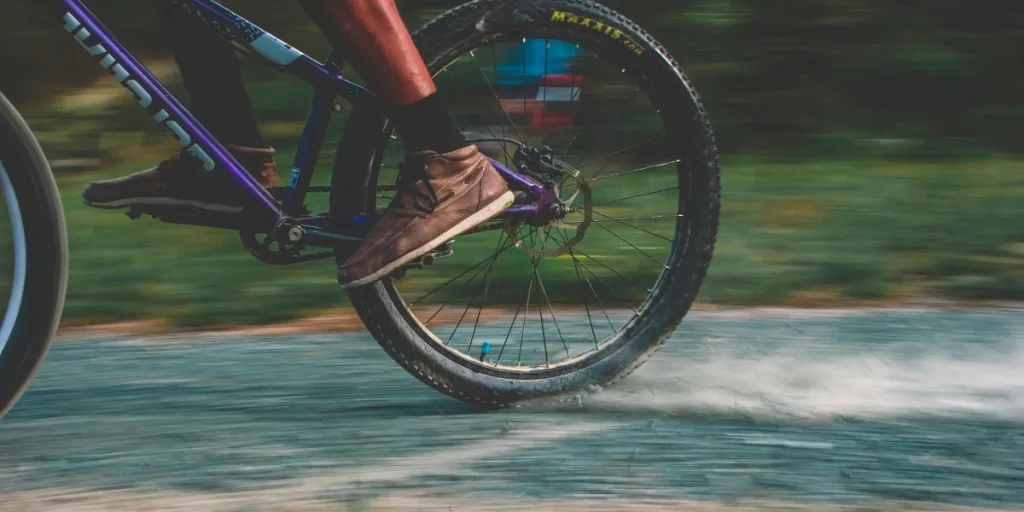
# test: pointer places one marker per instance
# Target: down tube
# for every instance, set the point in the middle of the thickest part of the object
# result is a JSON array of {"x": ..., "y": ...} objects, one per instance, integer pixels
[{"x": 152, "y": 95}]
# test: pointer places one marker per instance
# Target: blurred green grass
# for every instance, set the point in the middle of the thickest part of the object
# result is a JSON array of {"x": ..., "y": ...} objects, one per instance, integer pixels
[{"x": 807, "y": 234}]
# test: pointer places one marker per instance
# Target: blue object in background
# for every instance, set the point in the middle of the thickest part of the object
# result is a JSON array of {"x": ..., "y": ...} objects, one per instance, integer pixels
[{"x": 559, "y": 56}]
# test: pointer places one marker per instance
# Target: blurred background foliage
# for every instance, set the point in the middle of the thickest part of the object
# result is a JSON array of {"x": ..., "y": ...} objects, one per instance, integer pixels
[
  {"x": 781, "y": 76},
  {"x": 871, "y": 153}
]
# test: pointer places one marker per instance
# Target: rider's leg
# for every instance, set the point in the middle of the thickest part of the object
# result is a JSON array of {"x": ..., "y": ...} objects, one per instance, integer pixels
[
  {"x": 447, "y": 186},
  {"x": 213, "y": 78},
  {"x": 382, "y": 49},
  {"x": 212, "y": 75}
]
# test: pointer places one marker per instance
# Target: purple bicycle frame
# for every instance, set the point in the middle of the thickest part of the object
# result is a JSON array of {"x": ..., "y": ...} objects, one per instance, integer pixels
[{"x": 196, "y": 140}]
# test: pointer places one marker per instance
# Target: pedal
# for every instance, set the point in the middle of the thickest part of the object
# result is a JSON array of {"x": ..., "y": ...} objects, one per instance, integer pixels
[
  {"x": 188, "y": 216},
  {"x": 424, "y": 261},
  {"x": 443, "y": 251}
]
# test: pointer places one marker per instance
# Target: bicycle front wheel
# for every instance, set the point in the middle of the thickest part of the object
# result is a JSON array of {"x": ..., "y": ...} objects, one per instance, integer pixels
[
  {"x": 532, "y": 309},
  {"x": 33, "y": 255}
]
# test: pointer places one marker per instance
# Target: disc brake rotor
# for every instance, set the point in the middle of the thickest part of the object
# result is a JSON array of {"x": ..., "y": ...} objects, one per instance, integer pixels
[{"x": 543, "y": 233}]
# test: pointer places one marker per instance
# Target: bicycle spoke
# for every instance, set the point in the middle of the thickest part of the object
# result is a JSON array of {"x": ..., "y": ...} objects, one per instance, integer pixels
[
  {"x": 614, "y": 153},
  {"x": 543, "y": 332},
  {"x": 634, "y": 95},
  {"x": 636, "y": 196},
  {"x": 432, "y": 317},
  {"x": 544, "y": 116},
  {"x": 471, "y": 299},
  {"x": 586, "y": 303},
  {"x": 495, "y": 93},
  {"x": 487, "y": 287},
  {"x": 598, "y": 177},
  {"x": 616, "y": 272},
  {"x": 578, "y": 132},
  {"x": 504, "y": 145},
  {"x": 571, "y": 142},
  {"x": 526, "y": 294},
  {"x": 627, "y": 242},
  {"x": 471, "y": 278},
  {"x": 554, "y": 320},
  {"x": 620, "y": 221},
  {"x": 606, "y": 164},
  {"x": 465, "y": 311},
  {"x": 522, "y": 334},
  {"x": 617, "y": 219},
  {"x": 540, "y": 312},
  {"x": 572, "y": 97},
  {"x": 452, "y": 280},
  {"x": 501, "y": 109},
  {"x": 470, "y": 269},
  {"x": 586, "y": 268},
  {"x": 525, "y": 56},
  {"x": 576, "y": 262}
]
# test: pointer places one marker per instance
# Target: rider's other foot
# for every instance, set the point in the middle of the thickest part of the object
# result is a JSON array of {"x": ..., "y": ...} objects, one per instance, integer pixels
[
  {"x": 182, "y": 181},
  {"x": 440, "y": 196}
]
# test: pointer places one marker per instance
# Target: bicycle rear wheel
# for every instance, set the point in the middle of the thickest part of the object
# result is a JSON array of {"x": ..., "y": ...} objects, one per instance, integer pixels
[
  {"x": 528, "y": 310},
  {"x": 33, "y": 255}
]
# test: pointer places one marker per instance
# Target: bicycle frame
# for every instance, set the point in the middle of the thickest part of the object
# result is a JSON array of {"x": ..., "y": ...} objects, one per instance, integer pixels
[{"x": 326, "y": 78}]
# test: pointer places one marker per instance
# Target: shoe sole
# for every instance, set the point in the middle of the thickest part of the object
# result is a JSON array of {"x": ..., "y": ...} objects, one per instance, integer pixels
[
  {"x": 488, "y": 212},
  {"x": 164, "y": 201}
]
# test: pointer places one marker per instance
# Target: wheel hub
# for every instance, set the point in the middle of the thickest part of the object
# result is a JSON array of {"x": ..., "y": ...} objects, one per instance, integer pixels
[{"x": 549, "y": 234}]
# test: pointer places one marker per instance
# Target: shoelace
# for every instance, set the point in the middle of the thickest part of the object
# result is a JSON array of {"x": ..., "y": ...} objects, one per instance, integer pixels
[{"x": 414, "y": 199}]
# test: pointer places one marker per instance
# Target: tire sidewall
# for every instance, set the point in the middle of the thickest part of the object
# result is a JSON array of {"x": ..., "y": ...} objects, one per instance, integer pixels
[{"x": 46, "y": 250}]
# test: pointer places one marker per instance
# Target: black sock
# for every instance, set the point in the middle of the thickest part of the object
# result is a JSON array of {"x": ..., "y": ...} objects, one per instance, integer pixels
[{"x": 427, "y": 125}]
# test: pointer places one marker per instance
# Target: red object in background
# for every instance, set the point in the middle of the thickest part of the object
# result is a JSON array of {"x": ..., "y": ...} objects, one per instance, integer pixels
[
  {"x": 555, "y": 96},
  {"x": 561, "y": 81}
]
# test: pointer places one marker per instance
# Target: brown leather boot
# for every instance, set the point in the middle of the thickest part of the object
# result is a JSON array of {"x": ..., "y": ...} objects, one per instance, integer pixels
[
  {"x": 182, "y": 181},
  {"x": 440, "y": 196}
]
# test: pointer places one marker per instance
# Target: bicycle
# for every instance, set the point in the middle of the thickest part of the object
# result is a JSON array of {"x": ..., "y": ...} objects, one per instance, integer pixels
[{"x": 560, "y": 206}]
